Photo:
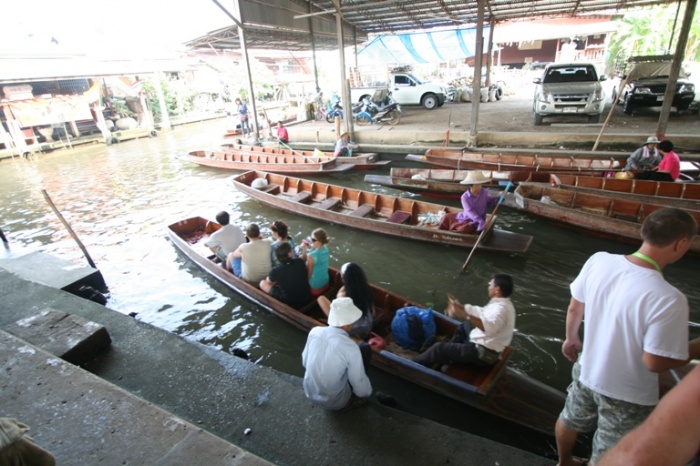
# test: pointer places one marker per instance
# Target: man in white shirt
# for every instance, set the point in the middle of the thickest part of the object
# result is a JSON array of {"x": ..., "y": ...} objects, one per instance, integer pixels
[
  {"x": 226, "y": 239},
  {"x": 485, "y": 333},
  {"x": 251, "y": 261},
  {"x": 636, "y": 327},
  {"x": 335, "y": 377}
]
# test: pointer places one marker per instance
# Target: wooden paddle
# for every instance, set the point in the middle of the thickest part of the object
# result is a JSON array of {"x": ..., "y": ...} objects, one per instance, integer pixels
[
  {"x": 68, "y": 227},
  {"x": 488, "y": 226}
]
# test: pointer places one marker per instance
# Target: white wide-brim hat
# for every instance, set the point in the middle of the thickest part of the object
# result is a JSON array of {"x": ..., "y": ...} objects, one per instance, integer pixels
[
  {"x": 474, "y": 177},
  {"x": 343, "y": 312},
  {"x": 652, "y": 140}
]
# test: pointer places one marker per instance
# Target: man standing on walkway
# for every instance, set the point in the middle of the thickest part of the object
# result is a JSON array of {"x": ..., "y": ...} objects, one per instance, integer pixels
[
  {"x": 335, "y": 377},
  {"x": 636, "y": 327}
]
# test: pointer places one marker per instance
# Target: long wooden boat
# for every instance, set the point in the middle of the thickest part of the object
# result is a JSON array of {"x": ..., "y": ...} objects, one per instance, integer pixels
[
  {"x": 660, "y": 189},
  {"x": 269, "y": 162},
  {"x": 365, "y": 210},
  {"x": 359, "y": 161},
  {"x": 445, "y": 184},
  {"x": 462, "y": 160},
  {"x": 498, "y": 390},
  {"x": 600, "y": 215}
]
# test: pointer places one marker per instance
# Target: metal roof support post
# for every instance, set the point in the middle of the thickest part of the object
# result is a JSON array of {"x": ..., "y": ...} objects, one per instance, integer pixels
[
  {"x": 476, "y": 83},
  {"x": 345, "y": 94},
  {"x": 246, "y": 61},
  {"x": 313, "y": 48},
  {"x": 690, "y": 6},
  {"x": 489, "y": 57}
]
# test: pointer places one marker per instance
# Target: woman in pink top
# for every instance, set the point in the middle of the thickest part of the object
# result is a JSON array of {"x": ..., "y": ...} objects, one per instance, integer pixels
[{"x": 670, "y": 163}]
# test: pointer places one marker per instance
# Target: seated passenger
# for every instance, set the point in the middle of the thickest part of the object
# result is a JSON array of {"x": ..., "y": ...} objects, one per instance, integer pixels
[
  {"x": 287, "y": 280},
  {"x": 317, "y": 261},
  {"x": 226, "y": 239},
  {"x": 280, "y": 234},
  {"x": 251, "y": 261},
  {"x": 485, "y": 333},
  {"x": 356, "y": 287}
]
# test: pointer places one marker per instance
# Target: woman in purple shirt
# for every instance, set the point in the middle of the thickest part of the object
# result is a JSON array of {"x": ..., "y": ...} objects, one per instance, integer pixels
[{"x": 475, "y": 202}]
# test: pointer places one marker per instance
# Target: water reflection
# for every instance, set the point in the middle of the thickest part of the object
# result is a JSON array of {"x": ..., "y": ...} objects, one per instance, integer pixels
[{"x": 119, "y": 198}]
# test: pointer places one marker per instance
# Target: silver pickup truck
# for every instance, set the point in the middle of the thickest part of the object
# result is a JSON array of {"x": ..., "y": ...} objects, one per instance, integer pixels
[{"x": 569, "y": 89}]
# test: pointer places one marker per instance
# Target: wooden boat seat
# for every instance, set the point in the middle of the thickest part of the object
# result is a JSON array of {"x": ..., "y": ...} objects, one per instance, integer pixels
[
  {"x": 329, "y": 204},
  {"x": 482, "y": 377},
  {"x": 399, "y": 217},
  {"x": 363, "y": 211},
  {"x": 271, "y": 189},
  {"x": 303, "y": 197}
]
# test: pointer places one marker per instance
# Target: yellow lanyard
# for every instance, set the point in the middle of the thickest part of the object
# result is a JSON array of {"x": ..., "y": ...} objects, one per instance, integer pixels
[{"x": 648, "y": 259}]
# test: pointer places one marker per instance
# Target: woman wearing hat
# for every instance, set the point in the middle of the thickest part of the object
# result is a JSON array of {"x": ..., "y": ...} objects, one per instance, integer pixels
[
  {"x": 475, "y": 202},
  {"x": 343, "y": 148},
  {"x": 646, "y": 157}
]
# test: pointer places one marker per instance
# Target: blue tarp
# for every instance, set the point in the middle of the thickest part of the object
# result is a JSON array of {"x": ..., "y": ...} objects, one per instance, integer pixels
[{"x": 421, "y": 47}]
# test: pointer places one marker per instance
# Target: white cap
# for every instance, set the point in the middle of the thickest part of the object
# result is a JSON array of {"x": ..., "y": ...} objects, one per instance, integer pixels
[
  {"x": 474, "y": 177},
  {"x": 343, "y": 312}
]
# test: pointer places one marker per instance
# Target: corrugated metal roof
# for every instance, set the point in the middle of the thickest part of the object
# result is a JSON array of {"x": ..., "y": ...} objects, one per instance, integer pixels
[{"x": 285, "y": 24}]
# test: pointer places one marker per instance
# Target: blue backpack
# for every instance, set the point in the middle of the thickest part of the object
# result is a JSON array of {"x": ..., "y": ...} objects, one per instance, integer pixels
[{"x": 413, "y": 327}]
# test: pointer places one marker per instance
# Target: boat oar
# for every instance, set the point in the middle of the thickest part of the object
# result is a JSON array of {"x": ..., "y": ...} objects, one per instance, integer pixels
[
  {"x": 68, "y": 227},
  {"x": 488, "y": 225}
]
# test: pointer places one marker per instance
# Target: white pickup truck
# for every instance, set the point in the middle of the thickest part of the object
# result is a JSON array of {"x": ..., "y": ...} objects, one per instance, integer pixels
[{"x": 406, "y": 89}]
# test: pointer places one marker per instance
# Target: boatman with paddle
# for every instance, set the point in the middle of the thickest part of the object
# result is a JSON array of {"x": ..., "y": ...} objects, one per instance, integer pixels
[{"x": 475, "y": 202}]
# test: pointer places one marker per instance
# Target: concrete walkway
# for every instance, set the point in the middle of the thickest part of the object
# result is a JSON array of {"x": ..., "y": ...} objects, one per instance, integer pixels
[{"x": 155, "y": 398}]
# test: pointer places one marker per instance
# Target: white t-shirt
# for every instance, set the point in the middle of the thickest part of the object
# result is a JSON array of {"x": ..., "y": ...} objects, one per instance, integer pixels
[
  {"x": 498, "y": 317},
  {"x": 628, "y": 310},
  {"x": 256, "y": 262},
  {"x": 228, "y": 238}
]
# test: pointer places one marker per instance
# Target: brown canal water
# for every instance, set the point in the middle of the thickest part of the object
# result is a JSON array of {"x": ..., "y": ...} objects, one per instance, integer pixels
[{"x": 119, "y": 199}]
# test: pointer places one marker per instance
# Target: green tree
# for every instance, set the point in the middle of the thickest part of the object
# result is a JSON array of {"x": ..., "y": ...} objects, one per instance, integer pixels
[{"x": 648, "y": 32}]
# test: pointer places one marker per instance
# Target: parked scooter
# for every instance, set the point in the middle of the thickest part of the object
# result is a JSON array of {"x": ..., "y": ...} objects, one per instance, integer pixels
[
  {"x": 389, "y": 113},
  {"x": 337, "y": 109}
]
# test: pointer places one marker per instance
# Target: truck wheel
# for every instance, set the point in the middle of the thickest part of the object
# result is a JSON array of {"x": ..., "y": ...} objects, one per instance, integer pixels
[
  {"x": 499, "y": 93},
  {"x": 628, "y": 109},
  {"x": 394, "y": 117},
  {"x": 613, "y": 96},
  {"x": 538, "y": 119},
  {"x": 429, "y": 101}
]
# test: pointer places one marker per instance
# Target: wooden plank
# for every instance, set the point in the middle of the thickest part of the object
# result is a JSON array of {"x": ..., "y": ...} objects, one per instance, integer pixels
[
  {"x": 363, "y": 211},
  {"x": 399, "y": 217},
  {"x": 329, "y": 204},
  {"x": 303, "y": 197}
]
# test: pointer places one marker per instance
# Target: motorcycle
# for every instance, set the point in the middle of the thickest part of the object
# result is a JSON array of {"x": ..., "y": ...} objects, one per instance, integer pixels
[
  {"x": 388, "y": 112},
  {"x": 337, "y": 109}
]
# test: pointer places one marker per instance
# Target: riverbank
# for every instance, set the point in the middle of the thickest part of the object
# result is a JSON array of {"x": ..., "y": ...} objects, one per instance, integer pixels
[{"x": 156, "y": 398}]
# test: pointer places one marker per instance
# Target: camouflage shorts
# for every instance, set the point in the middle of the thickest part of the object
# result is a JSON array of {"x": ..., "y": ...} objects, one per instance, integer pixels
[{"x": 587, "y": 411}]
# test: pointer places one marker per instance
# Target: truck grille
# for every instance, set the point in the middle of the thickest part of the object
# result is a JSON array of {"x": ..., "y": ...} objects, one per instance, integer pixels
[{"x": 570, "y": 98}]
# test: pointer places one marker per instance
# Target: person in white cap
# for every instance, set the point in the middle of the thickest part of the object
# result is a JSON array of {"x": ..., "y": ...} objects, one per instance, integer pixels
[
  {"x": 335, "y": 377},
  {"x": 475, "y": 202},
  {"x": 646, "y": 157}
]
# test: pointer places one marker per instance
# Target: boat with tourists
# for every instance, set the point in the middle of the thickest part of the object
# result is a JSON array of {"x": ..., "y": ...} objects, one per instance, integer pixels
[
  {"x": 498, "y": 389},
  {"x": 365, "y": 210},
  {"x": 596, "y": 214},
  {"x": 358, "y": 161},
  {"x": 464, "y": 160},
  {"x": 275, "y": 163}
]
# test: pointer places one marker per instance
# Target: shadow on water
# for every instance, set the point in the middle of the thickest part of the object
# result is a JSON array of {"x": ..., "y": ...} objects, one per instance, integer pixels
[{"x": 119, "y": 198}]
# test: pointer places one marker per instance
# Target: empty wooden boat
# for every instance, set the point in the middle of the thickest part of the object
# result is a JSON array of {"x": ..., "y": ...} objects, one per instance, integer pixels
[
  {"x": 276, "y": 163},
  {"x": 498, "y": 390},
  {"x": 656, "y": 189},
  {"x": 462, "y": 160},
  {"x": 600, "y": 215},
  {"x": 359, "y": 161},
  {"x": 365, "y": 210}
]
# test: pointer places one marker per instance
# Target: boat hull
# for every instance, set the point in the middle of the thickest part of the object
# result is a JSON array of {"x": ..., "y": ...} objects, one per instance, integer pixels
[{"x": 297, "y": 165}]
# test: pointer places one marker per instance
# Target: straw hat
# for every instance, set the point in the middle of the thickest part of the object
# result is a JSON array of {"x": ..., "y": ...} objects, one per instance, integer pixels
[
  {"x": 652, "y": 140},
  {"x": 343, "y": 312},
  {"x": 474, "y": 177}
]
